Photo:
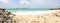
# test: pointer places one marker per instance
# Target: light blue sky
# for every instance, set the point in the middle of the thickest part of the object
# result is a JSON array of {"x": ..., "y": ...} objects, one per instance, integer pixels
[{"x": 30, "y": 4}]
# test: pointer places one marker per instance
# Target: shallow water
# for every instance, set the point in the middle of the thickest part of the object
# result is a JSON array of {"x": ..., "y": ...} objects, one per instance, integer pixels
[{"x": 26, "y": 9}]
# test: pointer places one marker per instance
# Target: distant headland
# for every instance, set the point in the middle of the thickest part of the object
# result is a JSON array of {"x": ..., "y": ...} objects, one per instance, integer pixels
[{"x": 55, "y": 9}]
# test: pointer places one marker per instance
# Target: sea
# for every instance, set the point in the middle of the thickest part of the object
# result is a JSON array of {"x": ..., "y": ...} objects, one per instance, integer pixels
[{"x": 27, "y": 9}]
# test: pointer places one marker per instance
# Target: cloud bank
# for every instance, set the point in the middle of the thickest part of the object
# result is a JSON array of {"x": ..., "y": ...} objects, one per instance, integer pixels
[{"x": 32, "y": 3}]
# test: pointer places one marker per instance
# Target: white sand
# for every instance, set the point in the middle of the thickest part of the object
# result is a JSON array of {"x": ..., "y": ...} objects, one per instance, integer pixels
[
  {"x": 40, "y": 19},
  {"x": 33, "y": 12}
]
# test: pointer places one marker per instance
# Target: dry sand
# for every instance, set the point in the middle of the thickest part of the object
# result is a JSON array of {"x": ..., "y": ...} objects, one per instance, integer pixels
[{"x": 41, "y": 17}]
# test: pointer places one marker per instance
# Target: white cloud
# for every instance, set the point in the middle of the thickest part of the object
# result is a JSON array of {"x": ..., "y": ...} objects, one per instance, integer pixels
[
  {"x": 4, "y": 1},
  {"x": 24, "y": 2},
  {"x": 44, "y": 3},
  {"x": 31, "y": 4}
]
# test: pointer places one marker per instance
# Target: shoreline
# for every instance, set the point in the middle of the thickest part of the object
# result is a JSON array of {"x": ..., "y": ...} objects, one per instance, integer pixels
[{"x": 33, "y": 12}]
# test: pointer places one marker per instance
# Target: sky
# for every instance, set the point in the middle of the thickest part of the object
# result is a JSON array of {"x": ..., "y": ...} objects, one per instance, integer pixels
[{"x": 29, "y": 3}]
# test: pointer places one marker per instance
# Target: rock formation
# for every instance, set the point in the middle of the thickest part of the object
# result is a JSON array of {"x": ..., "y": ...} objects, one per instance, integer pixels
[
  {"x": 55, "y": 9},
  {"x": 5, "y": 16}
]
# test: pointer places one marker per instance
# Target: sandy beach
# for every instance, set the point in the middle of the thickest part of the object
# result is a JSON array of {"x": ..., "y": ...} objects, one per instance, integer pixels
[{"x": 37, "y": 17}]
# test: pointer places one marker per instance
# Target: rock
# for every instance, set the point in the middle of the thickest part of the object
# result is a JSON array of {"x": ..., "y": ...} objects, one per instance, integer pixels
[
  {"x": 55, "y": 9},
  {"x": 6, "y": 16}
]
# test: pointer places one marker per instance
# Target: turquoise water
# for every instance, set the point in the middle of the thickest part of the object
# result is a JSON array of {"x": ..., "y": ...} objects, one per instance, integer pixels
[{"x": 27, "y": 9}]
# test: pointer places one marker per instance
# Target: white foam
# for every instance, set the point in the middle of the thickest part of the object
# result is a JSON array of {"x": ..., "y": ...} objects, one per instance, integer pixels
[{"x": 33, "y": 12}]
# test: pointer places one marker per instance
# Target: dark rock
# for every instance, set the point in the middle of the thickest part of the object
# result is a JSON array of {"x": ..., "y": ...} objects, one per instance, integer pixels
[
  {"x": 2, "y": 10},
  {"x": 55, "y": 9},
  {"x": 5, "y": 16}
]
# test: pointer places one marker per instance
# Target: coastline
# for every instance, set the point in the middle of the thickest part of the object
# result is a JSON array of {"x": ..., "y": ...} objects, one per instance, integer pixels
[{"x": 33, "y": 12}]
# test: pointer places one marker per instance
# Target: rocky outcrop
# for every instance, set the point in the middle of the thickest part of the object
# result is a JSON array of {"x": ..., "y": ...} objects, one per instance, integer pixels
[
  {"x": 55, "y": 9},
  {"x": 5, "y": 16}
]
